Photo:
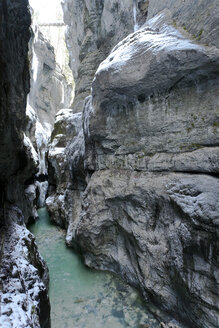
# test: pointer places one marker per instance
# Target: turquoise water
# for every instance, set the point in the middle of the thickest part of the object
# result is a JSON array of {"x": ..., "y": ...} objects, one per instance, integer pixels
[{"x": 84, "y": 298}]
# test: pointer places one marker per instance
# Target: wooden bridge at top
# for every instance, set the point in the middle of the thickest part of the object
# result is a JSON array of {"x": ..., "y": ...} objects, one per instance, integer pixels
[{"x": 52, "y": 24}]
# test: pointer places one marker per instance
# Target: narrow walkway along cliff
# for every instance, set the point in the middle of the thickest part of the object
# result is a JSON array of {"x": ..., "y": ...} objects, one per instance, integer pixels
[{"x": 129, "y": 168}]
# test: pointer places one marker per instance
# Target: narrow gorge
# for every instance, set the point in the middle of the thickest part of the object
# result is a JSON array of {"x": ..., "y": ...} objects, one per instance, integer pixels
[{"x": 109, "y": 162}]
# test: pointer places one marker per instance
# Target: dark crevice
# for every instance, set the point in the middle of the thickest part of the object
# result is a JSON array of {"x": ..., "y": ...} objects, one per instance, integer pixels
[
  {"x": 42, "y": 177},
  {"x": 213, "y": 174},
  {"x": 141, "y": 98}
]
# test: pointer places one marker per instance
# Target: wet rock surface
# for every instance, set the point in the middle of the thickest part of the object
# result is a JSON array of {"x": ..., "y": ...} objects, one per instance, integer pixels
[
  {"x": 169, "y": 107},
  {"x": 50, "y": 91}
]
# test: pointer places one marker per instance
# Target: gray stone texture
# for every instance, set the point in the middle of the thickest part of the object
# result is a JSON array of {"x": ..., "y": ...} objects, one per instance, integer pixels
[
  {"x": 66, "y": 169},
  {"x": 155, "y": 93},
  {"x": 19, "y": 271},
  {"x": 148, "y": 208},
  {"x": 159, "y": 232},
  {"x": 15, "y": 161},
  {"x": 49, "y": 89},
  {"x": 23, "y": 274},
  {"x": 94, "y": 27},
  {"x": 199, "y": 19}
]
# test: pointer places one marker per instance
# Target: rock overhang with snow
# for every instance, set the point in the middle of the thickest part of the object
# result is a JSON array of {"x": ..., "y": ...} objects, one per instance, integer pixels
[{"x": 154, "y": 59}]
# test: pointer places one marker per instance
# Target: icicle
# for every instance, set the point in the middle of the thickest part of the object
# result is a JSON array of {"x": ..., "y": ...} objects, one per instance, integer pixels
[
  {"x": 35, "y": 62},
  {"x": 42, "y": 188},
  {"x": 135, "y": 15}
]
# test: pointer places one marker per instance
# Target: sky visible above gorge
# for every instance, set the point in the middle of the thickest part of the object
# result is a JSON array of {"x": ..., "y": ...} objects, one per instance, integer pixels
[{"x": 48, "y": 11}]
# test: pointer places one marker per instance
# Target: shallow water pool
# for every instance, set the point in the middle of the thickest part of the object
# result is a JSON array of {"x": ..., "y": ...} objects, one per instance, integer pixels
[{"x": 81, "y": 297}]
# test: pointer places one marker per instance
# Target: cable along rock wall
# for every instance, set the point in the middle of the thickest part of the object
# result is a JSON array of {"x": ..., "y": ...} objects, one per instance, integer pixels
[{"x": 140, "y": 185}]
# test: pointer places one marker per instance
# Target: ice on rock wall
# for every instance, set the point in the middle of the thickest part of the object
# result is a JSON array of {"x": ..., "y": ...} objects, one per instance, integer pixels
[
  {"x": 29, "y": 146},
  {"x": 22, "y": 276},
  {"x": 135, "y": 15},
  {"x": 40, "y": 136},
  {"x": 168, "y": 39},
  {"x": 87, "y": 113},
  {"x": 35, "y": 62},
  {"x": 42, "y": 187}
]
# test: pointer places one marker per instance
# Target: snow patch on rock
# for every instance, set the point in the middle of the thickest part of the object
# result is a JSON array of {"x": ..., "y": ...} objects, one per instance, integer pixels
[{"x": 22, "y": 286}]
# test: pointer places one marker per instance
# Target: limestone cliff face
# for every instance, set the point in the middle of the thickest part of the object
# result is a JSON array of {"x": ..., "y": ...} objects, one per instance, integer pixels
[
  {"x": 199, "y": 20},
  {"x": 149, "y": 161},
  {"x": 66, "y": 169},
  {"x": 16, "y": 163},
  {"x": 23, "y": 294},
  {"x": 49, "y": 89},
  {"x": 93, "y": 28}
]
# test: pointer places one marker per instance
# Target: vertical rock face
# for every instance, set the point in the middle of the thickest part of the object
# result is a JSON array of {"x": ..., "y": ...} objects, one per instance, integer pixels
[
  {"x": 149, "y": 211},
  {"x": 15, "y": 161},
  {"x": 66, "y": 169},
  {"x": 94, "y": 27},
  {"x": 49, "y": 89},
  {"x": 23, "y": 295},
  {"x": 202, "y": 26}
]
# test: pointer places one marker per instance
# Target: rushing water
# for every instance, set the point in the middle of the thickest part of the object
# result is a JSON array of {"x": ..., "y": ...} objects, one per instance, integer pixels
[{"x": 84, "y": 298}]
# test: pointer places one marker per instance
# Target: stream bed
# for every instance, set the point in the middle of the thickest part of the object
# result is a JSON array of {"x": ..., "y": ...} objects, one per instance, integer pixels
[{"x": 81, "y": 297}]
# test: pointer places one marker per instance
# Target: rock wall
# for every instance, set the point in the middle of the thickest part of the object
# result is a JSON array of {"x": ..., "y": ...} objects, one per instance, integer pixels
[
  {"x": 199, "y": 20},
  {"x": 148, "y": 167},
  {"x": 67, "y": 178},
  {"x": 16, "y": 162},
  {"x": 93, "y": 28},
  {"x": 50, "y": 90},
  {"x": 24, "y": 276},
  {"x": 21, "y": 269}
]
